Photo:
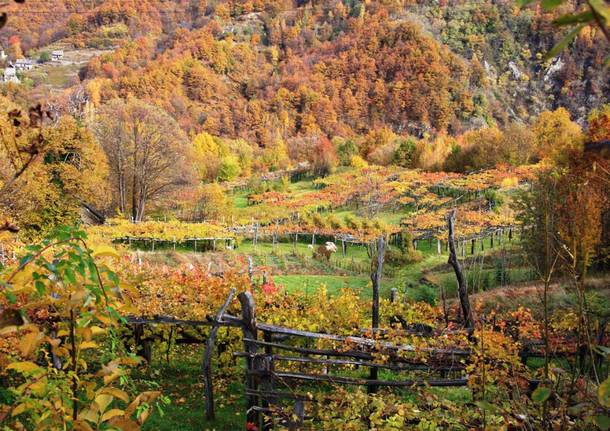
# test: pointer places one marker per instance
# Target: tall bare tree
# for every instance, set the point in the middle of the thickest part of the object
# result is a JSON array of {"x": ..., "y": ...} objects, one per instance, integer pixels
[{"x": 147, "y": 151}]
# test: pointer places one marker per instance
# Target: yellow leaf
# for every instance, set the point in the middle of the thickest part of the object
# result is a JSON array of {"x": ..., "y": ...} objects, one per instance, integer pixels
[
  {"x": 96, "y": 330},
  {"x": 105, "y": 250},
  {"x": 81, "y": 425},
  {"x": 143, "y": 415},
  {"x": 23, "y": 277},
  {"x": 115, "y": 392},
  {"x": 144, "y": 397},
  {"x": 111, "y": 414},
  {"x": 8, "y": 330},
  {"x": 88, "y": 345},
  {"x": 39, "y": 388},
  {"x": 88, "y": 415},
  {"x": 28, "y": 343},
  {"x": 104, "y": 319},
  {"x": 19, "y": 409},
  {"x": 124, "y": 424},
  {"x": 103, "y": 401},
  {"x": 24, "y": 367},
  {"x": 112, "y": 377}
]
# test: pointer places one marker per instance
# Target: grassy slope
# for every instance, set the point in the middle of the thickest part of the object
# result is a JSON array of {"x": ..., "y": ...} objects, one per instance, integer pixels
[{"x": 294, "y": 268}]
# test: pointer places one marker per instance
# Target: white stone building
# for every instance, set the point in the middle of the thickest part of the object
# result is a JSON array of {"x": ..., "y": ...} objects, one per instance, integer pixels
[
  {"x": 57, "y": 55},
  {"x": 10, "y": 75},
  {"x": 24, "y": 64}
]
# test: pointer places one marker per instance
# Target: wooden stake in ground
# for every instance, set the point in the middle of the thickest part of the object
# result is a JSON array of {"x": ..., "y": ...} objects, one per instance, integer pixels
[
  {"x": 376, "y": 268},
  {"x": 461, "y": 280},
  {"x": 207, "y": 359}
]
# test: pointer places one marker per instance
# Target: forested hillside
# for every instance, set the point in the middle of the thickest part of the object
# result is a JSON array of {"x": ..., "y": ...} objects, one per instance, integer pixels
[{"x": 280, "y": 69}]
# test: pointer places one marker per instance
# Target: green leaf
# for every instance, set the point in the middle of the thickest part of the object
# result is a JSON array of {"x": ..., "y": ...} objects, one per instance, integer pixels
[
  {"x": 40, "y": 287},
  {"x": 25, "y": 260},
  {"x": 488, "y": 407},
  {"x": 603, "y": 393},
  {"x": 601, "y": 8},
  {"x": 541, "y": 394},
  {"x": 563, "y": 42},
  {"x": 602, "y": 422},
  {"x": 578, "y": 409},
  {"x": 69, "y": 276},
  {"x": 550, "y": 4},
  {"x": 574, "y": 19},
  {"x": 25, "y": 367},
  {"x": 10, "y": 296}
]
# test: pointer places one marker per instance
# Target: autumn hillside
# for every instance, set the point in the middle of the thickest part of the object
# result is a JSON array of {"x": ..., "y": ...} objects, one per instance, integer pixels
[{"x": 269, "y": 70}]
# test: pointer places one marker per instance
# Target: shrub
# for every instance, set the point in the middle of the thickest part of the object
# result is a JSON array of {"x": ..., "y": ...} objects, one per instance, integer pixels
[
  {"x": 403, "y": 257},
  {"x": 423, "y": 293},
  {"x": 358, "y": 162},
  {"x": 44, "y": 57}
]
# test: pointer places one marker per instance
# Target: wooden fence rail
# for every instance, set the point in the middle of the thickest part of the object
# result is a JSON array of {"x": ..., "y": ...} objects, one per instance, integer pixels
[
  {"x": 266, "y": 370},
  {"x": 275, "y": 368}
]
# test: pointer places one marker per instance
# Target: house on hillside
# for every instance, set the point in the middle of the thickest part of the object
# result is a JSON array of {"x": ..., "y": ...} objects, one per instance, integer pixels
[
  {"x": 24, "y": 64},
  {"x": 57, "y": 55},
  {"x": 3, "y": 55},
  {"x": 10, "y": 75}
]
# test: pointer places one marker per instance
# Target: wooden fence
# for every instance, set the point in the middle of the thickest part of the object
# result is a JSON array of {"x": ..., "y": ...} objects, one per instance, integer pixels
[
  {"x": 275, "y": 391},
  {"x": 281, "y": 363}
]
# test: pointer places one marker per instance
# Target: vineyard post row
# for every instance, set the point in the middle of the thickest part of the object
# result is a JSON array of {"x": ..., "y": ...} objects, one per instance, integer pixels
[{"x": 493, "y": 236}]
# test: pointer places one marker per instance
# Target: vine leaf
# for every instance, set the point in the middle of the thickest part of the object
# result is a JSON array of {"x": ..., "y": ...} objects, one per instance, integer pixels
[
  {"x": 570, "y": 19},
  {"x": 541, "y": 394},
  {"x": 603, "y": 393}
]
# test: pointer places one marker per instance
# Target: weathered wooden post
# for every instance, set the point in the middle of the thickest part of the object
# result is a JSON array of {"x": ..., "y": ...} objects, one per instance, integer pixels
[
  {"x": 299, "y": 416},
  {"x": 439, "y": 249},
  {"x": 393, "y": 294},
  {"x": 207, "y": 358},
  {"x": 251, "y": 270},
  {"x": 376, "y": 269},
  {"x": 461, "y": 280},
  {"x": 248, "y": 313},
  {"x": 143, "y": 346},
  {"x": 343, "y": 248},
  {"x": 266, "y": 363},
  {"x": 472, "y": 245}
]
